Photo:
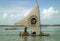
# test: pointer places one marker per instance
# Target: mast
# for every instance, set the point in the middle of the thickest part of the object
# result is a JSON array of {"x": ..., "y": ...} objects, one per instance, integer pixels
[{"x": 39, "y": 14}]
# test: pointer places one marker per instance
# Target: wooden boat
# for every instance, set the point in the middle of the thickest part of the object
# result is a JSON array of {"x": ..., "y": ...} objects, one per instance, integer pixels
[
  {"x": 28, "y": 34},
  {"x": 31, "y": 21}
]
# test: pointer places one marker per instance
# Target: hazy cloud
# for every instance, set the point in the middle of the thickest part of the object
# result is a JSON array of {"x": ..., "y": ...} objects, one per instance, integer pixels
[
  {"x": 11, "y": 15},
  {"x": 5, "y": 15},
  {"x": 47, "y": 13}
]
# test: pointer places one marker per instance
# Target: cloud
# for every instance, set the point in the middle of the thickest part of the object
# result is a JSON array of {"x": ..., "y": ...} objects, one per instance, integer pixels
[
  {"x": 12, "y": 15},
  {"x": 48, "y": 13},
  {"x": 14, "y": 12},
  {"x": 5, "y": 15}
]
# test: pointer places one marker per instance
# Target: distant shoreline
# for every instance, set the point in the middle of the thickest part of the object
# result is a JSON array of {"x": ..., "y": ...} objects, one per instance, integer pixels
[{"x": 20, "y": 26}]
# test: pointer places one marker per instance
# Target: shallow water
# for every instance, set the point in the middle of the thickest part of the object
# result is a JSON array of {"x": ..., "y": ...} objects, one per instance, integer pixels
[{"x": 13, "y": 35}]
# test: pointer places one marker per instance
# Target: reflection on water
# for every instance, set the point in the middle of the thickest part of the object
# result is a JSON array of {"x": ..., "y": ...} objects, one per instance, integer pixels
[
  {"x": 37, "y": 38},
  {"x": 30, "y": 38},
  {"x": 13, "y": 35}
]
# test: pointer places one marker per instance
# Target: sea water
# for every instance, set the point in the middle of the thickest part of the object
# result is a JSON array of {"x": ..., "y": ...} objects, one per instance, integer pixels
[{"x": 13, "y": 35}]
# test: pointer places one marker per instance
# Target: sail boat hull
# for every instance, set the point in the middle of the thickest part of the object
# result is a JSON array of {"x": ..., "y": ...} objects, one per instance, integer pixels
[
  {"x": 35, "y": 35},
  {"x": 32, "y": 34}
]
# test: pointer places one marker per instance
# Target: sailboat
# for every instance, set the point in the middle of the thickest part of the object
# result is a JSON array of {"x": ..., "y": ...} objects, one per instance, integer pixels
[{"x": 32, "y": 20}]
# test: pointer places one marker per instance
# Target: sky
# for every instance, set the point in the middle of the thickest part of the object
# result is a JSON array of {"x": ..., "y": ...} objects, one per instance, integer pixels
[{"x": 11, "y": 11}]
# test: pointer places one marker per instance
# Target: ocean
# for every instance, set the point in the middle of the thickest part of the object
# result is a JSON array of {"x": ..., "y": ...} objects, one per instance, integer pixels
[{"x": 13, "y": 35}]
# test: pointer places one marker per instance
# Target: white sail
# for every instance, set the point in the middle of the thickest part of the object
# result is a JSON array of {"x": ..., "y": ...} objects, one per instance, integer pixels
[{"x": 32, "y": 20}]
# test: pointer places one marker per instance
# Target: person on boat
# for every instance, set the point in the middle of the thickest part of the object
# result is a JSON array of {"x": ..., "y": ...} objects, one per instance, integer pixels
[
  {"x": 41, "y": 33},
  {"x": 25, "y": 33}
]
